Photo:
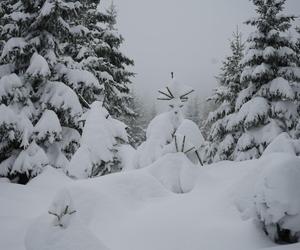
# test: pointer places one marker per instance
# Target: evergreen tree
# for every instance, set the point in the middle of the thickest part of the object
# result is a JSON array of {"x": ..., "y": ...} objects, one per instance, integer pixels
[
  {"x": 268, "y": 103},
  {"x": 116, "y": 77},
  {"x": 41, "y": 80},
  {"x": 137, "y": 122},
  {"x": 221, "y": 140}
]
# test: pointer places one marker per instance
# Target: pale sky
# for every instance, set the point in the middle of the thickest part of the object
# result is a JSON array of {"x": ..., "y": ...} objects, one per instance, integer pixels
[{"x": 189, "y": 37}]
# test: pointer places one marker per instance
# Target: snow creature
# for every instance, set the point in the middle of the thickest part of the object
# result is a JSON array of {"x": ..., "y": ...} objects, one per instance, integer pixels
[
  {"x": 62, "y": 208},
  {"x": 164, "y": 130}
]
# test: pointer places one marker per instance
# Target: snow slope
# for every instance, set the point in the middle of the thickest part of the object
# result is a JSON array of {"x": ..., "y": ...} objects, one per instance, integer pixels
[{"x": 170, "y": 205}]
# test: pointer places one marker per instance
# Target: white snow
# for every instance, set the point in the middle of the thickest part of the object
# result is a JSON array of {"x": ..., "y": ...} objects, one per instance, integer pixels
[
  {"x": 60, "y": 96},
  {"x": 256, "y": 108},
  {"x": 260, "y": 70},
  {"x": 98, "y": 142},
  {"x": 273, "y": 193},
  {"x": 48, "y": 127},
  {"x": 31, "y": 160},
  {"x": 281, "y": 87},
  {"x": 9, "y": 84},
  {"x": 77, "y": 77},
  {"x": 13, "y": 43},
  {"x": 143, "y": 209},
  {"x": 38, "y": 66}
]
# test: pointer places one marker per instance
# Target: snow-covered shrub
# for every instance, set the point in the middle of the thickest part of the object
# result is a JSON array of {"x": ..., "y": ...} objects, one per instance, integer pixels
[
  {"x": 101, "y": 136},
  {"x": 277, "y": 201},
  {"x": 269, "y": 194}
]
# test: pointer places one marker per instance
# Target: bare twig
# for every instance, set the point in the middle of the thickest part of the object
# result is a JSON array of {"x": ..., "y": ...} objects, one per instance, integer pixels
[
  {"x": 165, "y": 94},
  {"x": 199, "y": 158}
]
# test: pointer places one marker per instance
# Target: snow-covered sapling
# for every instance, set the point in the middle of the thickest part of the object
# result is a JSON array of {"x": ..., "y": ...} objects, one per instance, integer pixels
[
  {"x": 62, "y": 209},
  {"x": 101, "y": 137}
]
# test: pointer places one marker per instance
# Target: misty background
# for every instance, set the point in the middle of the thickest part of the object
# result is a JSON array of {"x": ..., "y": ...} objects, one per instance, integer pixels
[{"x": 190, "y": 38}]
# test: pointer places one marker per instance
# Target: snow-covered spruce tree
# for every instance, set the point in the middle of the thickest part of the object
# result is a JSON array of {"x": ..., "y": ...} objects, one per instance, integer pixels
[
  {"x": 117, "y": 96},
  {"x": 268, "y": 103},
  {"x": 39, "y": 81},
  {"x": 137, "y": 122},
  {"x": 221, "y": 140}
]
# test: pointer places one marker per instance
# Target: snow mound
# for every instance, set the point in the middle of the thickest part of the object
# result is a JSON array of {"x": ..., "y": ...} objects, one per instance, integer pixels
[
  {"x": 175, "y": 172},
  {"x": 283, "y": 143},
  {"x": 43, "y": 235},
  {"x": 270, "y": 194},
  {"x": 49, "y": 177}
]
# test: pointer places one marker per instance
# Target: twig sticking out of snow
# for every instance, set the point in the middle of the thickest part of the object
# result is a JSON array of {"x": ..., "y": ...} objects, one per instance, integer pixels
[
  {"x": 60, "y": 216},
  {"x": 63, "y": 209},
  {"x": 183, "y": 150}
]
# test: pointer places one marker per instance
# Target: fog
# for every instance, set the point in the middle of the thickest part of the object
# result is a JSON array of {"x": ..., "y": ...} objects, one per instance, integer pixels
[{"x": 190, "y": 38}]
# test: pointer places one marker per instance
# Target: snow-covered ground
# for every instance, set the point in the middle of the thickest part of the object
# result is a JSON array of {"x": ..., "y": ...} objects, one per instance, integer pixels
[{"x": 170, "y": 205}]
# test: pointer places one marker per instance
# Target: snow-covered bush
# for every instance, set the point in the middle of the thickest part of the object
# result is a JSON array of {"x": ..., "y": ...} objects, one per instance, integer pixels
[
  {"x": 101, "y": 136},
  {"x": 270, "y": 195},
  {"x": 277, "y": 202}
]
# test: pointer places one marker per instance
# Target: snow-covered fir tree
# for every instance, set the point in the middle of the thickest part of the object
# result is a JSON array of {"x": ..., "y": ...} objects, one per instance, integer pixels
[
  {"x": 41, "y": 80},
  {"x": 137, "y": 122},
  {"x": 221, "y": 140},
  {"x": 116, "y": 76},
  {"x": 267, "y": 104}
]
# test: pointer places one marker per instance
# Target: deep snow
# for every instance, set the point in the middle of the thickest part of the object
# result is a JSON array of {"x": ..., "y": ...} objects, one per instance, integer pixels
[{"x": 170, "y": 205}]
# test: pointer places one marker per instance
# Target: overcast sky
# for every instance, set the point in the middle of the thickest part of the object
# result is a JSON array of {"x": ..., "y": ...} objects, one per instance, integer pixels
[{"x": 189, "y": 37}]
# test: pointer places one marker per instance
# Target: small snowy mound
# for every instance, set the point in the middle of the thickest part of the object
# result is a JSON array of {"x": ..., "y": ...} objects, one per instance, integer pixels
[
  {"x": 276, "y": 199},
  {"x": 283, "y": 143},
  {"x": 192, "y": 132},
  {"x": 189, "y": 140},
  {"x": 175, "y": 172},
  {"x": 270, "y": 194},
  {"x": 159, "y": 133},
  {"x": 60, "y": 229},
  {"x": 49, "y": 177}
]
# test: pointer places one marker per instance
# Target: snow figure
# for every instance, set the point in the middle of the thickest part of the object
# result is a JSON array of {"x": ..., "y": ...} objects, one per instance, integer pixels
[
  {"x": 61, "y": 228},
  {"x": 167, "y": 129},
  {"x": 62, "y": 209},
  {"x": 101, "y": 135}
]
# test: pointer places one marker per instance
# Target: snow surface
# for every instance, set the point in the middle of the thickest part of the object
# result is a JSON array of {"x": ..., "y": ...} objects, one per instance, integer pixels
[
  {"x": 140, "y": 209},
  {"x": 38, "y": 66}
]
